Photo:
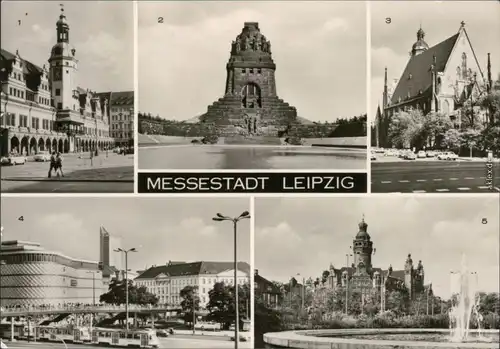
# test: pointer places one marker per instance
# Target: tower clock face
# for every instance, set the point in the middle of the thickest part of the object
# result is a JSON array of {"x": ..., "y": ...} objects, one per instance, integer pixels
[{"x": 57, "y": 74}]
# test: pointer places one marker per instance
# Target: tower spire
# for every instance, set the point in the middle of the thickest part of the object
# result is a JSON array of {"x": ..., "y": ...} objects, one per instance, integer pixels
[{"x": 62, "y": 27}]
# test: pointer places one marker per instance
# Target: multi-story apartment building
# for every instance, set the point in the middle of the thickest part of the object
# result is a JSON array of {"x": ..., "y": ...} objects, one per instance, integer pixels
[{"x": 167, "y": 281}]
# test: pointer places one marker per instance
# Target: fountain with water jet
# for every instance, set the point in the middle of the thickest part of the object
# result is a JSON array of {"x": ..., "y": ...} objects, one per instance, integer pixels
[{"x": 465, "y": 309}]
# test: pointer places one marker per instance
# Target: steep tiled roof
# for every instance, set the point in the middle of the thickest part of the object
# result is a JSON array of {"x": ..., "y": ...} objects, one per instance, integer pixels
[
  {"x": 270, "y": 287},
  {"x": 28, "y": 67},
  {"x": 419, "y": 68},
  {"x": 122, "y": 98},
  {"x": 396, "y": 274},
  {"x": 194, "y": 268}
]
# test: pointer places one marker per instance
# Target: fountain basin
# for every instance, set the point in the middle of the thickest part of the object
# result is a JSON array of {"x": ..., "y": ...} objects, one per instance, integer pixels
[{"x": 357, "y": 339}]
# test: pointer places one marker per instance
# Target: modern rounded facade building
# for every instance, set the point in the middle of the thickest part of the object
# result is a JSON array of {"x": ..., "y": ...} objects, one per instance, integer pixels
[{"x": 31, "y": 275}]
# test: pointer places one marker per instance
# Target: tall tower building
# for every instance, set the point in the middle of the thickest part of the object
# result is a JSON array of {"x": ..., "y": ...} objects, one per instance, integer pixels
[
  {"x": 63, "y": 72},
  {"x": 363, "y": 248},
  {"x": 107, "y": 256}
]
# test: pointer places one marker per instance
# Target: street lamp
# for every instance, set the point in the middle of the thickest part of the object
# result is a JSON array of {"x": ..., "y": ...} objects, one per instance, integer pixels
[
  {"x": 347, "y": 283},
  {"x": 219, "y": 218},
  {"x": 93, "y": 296},
  {"x": 126, "y": 280}
]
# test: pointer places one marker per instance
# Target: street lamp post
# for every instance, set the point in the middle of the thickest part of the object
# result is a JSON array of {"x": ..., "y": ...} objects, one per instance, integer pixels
[
  {"x": 347, "y": 284},
  {"x": 133, "y": 249},
  {"x": 93, "y": 297},
  {"x": 220, "y": 217}
]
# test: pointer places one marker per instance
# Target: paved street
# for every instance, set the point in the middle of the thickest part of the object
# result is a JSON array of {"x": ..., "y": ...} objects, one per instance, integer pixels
[
  {"x": 104, "y": 174},
  {"x": 431, "y": 176},
  {"x": 166, "y": 343}
]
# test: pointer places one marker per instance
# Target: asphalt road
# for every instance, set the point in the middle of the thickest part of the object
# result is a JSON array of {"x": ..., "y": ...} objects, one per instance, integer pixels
[
  {"x": 432, "y": 177},
  {"x": 166, "y": 343}
]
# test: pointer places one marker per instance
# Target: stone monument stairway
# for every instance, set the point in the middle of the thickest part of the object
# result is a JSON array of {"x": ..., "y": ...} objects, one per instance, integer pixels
[{"x": 251, "y": 140}]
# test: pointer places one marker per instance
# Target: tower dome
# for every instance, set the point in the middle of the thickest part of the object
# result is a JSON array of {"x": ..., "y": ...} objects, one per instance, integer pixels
[
  {"x": 420, "y": 45},
  {"x": 62, "y": 48},
  {"x": 362, "y": 233}
]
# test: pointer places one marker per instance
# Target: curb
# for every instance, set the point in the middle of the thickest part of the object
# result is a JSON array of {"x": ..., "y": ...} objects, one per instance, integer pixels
[{"x": 38, "y": 179}]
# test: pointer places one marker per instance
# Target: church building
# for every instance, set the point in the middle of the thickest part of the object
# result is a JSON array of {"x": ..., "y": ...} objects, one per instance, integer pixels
[
  {"x": 438, "y": 79},
  {"x": 44, "y": 109}
]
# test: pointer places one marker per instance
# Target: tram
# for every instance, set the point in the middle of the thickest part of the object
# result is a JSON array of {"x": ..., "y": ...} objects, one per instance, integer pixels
[
  {"x": 122, "y": 338},
  {"x": 67, "y": 334},
  {"x": 142, "y": 338}
]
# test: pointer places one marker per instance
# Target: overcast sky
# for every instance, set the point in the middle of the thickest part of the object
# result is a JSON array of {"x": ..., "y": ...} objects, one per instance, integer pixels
[
  {"x": 162, "y": 229},
  {"x": 319, "y": 49},
  {"x": 305, "y": 235},
  {"x": 102, "y": 33},
  {"x": 391, "y": 43}
]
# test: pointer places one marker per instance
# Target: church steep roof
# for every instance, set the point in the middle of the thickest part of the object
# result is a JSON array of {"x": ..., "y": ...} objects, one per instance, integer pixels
[{"x": 417, "y": 75}]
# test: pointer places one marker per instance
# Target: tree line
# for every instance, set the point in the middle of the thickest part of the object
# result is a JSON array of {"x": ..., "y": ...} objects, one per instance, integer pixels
[{"x": 220, "y": 307}]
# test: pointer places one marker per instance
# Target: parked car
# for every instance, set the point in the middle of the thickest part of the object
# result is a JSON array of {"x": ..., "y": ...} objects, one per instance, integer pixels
[
  {"x": 243, "y": 338},
  {"x": 421, "y": 154},
  {"x": 162, "y": 333},
  {"x": 447, "y": 156},
  {"x": 410, "y": 156},
  {"x": 13, "y": 159},
  {"x": 373, "y": 156},
  {"x": 42, "y": 156}
]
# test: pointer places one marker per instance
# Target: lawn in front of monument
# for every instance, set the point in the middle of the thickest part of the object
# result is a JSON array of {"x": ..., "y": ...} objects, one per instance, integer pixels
[
  {"x": 254, "y": 157},
  {"x": 106, "y": 173}
]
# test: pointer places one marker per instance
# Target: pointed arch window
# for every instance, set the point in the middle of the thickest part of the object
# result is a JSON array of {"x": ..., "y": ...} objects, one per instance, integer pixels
[{"x": 464, "y": 66}]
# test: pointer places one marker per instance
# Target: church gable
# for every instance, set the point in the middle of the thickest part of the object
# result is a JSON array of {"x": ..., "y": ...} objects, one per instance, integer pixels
[{"x": 461, "y": 69}]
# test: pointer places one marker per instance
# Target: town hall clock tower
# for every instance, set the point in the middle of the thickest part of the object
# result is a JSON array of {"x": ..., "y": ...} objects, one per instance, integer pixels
[{"x": 63, "y": 71}]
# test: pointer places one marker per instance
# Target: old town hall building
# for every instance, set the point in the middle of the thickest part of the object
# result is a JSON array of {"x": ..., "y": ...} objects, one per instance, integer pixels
[
  {"x": 43, "y": 108},
  {"x": 441, "y": 78},
  {"x": 361, "y": 275}
]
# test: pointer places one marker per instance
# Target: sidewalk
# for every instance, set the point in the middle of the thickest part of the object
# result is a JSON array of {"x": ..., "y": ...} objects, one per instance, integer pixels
[{"x": 114, "y": 168}]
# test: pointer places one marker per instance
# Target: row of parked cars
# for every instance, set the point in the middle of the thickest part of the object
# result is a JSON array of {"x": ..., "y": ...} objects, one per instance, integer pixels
[
  {"x": 14, "y": 159},
  {"x": 408, "y": 154}
]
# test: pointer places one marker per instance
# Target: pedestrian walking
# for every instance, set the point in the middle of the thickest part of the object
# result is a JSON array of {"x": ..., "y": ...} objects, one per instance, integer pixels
[
  {"x": 59, "y": 161},
  {"x": 52, "y": 163}
]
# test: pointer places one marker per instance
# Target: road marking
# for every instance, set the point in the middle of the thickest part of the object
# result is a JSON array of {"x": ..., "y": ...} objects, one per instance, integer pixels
[
  {"x": 482, "y": 187},
  {"x": 463, "y": 188},
  {"x": 421, "y": 180},
  {"x": 497, "y": 189},
  {"x": 437, "y": 179},
  {"x": 441, "y": 190},
  {"x": 453, "y": 179},
  {"x": 469, "y": 178},
  {"x": 419, "y": 191},
  {"x": 404, "y": 181},
  {"x": 482, "y": 177},
  {"x": 386, "y": 182},
  {"x": 395, "y": 192}
]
